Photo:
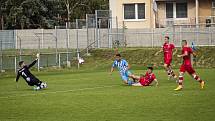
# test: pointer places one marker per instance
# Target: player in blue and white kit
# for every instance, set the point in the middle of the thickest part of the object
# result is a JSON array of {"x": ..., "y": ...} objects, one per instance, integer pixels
[{"x": 123, "y": 68}]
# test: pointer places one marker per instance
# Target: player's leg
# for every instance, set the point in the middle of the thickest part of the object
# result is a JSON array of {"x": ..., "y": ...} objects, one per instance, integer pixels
[
  {"x": 132, "y": 76},
  {"x": 125, "y": 78},
  {"x": 172, "y": 72},
  {"x": 180, "y": 78},
  {"x": 39, "y": 84},
  {"x": 137, "y": 84},
  {"x": 167, "y": 70},
  {"x": 192, "y": 72}
]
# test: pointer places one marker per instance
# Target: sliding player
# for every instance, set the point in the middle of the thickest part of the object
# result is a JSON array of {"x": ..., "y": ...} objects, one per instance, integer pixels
[
  {"x": 123, "y": 68},
  {"x": 187, "y": 66},
  {"x": 146, "y": 79},
  {"x": 28, "y": 76},
  {"x": 167, "y": 49}
]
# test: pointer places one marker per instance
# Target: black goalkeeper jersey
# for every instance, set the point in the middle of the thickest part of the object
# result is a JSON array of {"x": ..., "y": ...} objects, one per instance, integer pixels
[{"x": 26, "y": 74}]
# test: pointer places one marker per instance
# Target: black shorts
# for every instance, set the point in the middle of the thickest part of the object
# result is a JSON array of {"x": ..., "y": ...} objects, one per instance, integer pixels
[{"x": 34, "y": 81}]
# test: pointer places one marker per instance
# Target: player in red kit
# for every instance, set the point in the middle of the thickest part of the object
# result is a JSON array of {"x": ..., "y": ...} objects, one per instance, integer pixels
[
  {"x": 167, "y": 49},
  {"x": 146, "y": 79},
  {"x": 187, "y": 66}
]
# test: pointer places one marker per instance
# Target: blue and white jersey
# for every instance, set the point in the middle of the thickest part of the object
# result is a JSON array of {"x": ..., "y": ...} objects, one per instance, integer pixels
[{"x": 121, "y": 65}]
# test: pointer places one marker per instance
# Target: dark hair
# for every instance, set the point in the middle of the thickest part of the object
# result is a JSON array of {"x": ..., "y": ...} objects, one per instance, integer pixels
[
  {"x": 184, "y": 41},
  {"x": 167, "y": 37},
  {"x": 118, "y": 55},
  {"x": 21, "y": 62},
  {"x": 150, "y": 67}
]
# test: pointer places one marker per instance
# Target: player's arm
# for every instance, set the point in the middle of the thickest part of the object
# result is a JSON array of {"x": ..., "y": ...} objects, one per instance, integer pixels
[
  {"x": 17, "y": 76},
  {"x": 176, "y": 50},
  {"x": 156, "y": 82},
  {"x": 128, "y": 66},
  {"x": 34, "y": 62},
  {"x": 182, "y": 55},
  {"x": 112, "y": 69},
  {"x": 158, "y": 52}
]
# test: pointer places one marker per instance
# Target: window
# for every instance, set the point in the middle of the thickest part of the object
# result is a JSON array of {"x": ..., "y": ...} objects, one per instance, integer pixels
[
  {"x": 141, "y": 11},
  {"x": 176, "y": 10},
  {"x": 169, "y": 10},
  {"x": 181, "y": 10},
  {"x": 134, "y": 11},
  {"x": 129, "y": 11}
]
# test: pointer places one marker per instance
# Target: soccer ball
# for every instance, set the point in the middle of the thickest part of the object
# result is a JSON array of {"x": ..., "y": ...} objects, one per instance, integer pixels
[{"x": 43, "y": 85}]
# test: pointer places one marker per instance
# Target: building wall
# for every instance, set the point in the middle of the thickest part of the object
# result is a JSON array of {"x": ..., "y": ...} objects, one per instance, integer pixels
[
  {"x": 205, "y": 8},
  {"x": 116, "y": 6}
]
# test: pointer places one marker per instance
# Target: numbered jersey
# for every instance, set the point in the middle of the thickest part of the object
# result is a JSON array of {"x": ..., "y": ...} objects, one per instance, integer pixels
[{"x": 25, "y": 73}]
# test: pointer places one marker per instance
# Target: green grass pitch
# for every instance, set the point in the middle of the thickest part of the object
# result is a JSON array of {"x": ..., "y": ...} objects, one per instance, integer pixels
[{"x": 96, "y": 96}]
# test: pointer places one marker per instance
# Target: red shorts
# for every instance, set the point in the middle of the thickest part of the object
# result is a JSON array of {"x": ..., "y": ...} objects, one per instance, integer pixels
[
  {"x": 187, "y": 68},
  {"x": 143, "y": 81},
  {"x": 168, "y": 61}
]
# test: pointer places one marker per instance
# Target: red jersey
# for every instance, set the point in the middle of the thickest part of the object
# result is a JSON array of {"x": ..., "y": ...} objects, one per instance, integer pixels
[
  {"x": 167, "y": 49},
  {"x": 147, "y": 79},
  {"x": 187, "y": 59}
]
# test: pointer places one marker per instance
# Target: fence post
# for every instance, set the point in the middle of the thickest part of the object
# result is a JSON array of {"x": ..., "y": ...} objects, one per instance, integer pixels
[
  {"x": 180, "y": 33},
  {"x": 67, "y": 43},
  {"x": 152, "y": 39},
  {"x": 87, "y": 33},
  {"x": 59, "y": 63},
  {"x": 56, "y": 47},
  {"x": 42, "y": 40},
  {"x": 1, "y": 54},
  {"x": 108, "y": 33},
  {"x": 38, "y": 64},
  {"x": 15, "y": 63},
  {"x": 77, "y": 42},
  {"x": 97, "y": 32}
]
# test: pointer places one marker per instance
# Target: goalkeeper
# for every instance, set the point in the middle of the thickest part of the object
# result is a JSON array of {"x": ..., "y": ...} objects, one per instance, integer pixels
[{"x": 28, "y": 76}]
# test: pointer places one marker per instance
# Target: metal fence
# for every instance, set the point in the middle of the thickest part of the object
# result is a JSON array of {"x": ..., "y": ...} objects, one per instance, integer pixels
[{"x": 64, "y": 45}]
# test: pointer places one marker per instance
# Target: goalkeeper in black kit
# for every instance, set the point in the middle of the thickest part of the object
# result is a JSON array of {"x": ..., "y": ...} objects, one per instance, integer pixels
[{"x": 28, "y": 76}]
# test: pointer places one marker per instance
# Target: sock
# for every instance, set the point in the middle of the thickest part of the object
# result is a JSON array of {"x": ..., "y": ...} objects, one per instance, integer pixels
[
  {"x": 181, "y": 79},
  {"x": 172, "y": 73},
  {"x": 168, "y": 73},
  {"x": 130, "y": 82},
  {"x": 197, "y": 78}
]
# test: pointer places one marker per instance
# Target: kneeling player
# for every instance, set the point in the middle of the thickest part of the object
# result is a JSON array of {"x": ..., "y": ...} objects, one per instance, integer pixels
[
  {"x": 187, "y": 66},
  {"x": 123, "y": 68},
  {"x": 28, "y": 76},
  {"x": 146, "y": 79}
]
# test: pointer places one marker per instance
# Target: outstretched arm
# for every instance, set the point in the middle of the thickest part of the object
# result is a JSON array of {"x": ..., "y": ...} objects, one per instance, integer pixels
[{"x": 33, "y": 63}]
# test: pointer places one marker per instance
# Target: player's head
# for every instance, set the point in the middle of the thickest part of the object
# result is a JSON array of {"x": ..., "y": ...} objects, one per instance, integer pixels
[
  {"x": 118, "y": 57},
  {"x": 184, "y": 42},
  {"x": 166, "y": 39},
  {"x": 21, "y": 63},
  {"x": 150, "y": 69}
]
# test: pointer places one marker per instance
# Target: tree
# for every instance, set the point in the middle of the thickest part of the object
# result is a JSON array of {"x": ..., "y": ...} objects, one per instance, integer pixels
[{"x": 30, "y": 14}]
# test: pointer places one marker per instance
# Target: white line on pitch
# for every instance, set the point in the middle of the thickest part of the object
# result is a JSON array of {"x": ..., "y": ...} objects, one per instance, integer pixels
[{"x": 63, "y": 91}]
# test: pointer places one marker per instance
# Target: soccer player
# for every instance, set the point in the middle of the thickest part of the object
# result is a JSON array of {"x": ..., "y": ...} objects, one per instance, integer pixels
[
  {"x": 123, "y": 68},
  {"x": 146, "y": 79},
  {"x": 187, "y": 66},
  {"x": 28, "y": 76},
  {"x": 167, "y": 49}
]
